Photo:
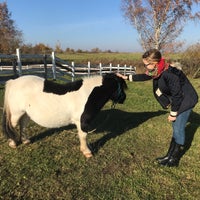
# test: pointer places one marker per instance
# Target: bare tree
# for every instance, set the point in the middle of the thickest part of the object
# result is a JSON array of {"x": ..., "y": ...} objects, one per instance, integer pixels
[
  {"x": 58, "y": 48},
  {"x": 159, "y": 22},
  {"x": 10, "y": 36}
]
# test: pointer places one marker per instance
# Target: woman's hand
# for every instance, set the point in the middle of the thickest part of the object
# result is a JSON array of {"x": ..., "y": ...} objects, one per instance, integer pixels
[
  {"x": 171, "y": 118},
  {"x": 122, "y": 76}
]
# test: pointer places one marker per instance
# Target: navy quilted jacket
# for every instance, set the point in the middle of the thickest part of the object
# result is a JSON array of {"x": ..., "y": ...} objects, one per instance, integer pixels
[{"x": 172, "y": 89}]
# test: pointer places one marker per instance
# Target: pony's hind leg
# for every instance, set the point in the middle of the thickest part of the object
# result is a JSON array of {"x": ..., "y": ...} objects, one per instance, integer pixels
[
  {"x": 10, "y": 121},
  {"x": 22, "y": 124},
  {"x": 8, "y": 130}
]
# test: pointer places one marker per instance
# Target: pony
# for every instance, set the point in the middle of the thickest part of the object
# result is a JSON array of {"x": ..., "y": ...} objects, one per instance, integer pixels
[{"x": 54, "y": 105}]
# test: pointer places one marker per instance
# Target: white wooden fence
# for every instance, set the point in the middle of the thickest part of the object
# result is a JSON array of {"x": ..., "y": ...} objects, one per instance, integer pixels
[{"x": 56, "y": 68}]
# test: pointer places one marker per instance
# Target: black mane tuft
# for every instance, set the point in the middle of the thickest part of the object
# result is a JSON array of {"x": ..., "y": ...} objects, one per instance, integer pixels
[{"x": 61, "y": 89}]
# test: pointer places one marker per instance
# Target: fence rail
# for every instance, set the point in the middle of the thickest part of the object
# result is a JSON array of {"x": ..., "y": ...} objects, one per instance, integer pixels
[{"x": 53, "y": 67}]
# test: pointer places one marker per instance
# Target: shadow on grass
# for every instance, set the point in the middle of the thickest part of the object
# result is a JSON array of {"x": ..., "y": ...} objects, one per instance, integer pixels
[
  {"x": 116, "y": 122},
  {"x": 50, "y": 132},
  {"x": 191, "y": 128}
]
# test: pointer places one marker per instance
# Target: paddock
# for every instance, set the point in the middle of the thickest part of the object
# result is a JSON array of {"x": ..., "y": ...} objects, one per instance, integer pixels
[
  {"x": 125, "y": 145},
  {"x": 52, "y": 67}
]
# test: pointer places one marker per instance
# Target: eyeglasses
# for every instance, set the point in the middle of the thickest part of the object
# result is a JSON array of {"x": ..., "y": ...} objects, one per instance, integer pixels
[
  {"x": 146, "y": 65},
  {"x": 150, "y": 70},
  {"x": 153, "y": 64}
]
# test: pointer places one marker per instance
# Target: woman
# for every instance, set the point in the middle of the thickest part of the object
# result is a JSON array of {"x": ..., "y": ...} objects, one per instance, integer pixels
[{"x": 173, "y": 90}]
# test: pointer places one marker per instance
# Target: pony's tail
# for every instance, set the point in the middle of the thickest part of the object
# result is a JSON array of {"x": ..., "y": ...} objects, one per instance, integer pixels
[{"x": 8, "y": 130}]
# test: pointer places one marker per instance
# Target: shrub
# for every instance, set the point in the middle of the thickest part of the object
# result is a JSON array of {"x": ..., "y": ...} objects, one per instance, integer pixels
[{"x": 190, "y": 60}]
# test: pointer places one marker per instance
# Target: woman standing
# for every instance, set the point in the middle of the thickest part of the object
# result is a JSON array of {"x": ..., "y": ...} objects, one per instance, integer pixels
[{"x": 172, "y": 90}]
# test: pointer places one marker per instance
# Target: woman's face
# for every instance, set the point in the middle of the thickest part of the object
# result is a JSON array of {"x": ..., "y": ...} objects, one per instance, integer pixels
[{"x": 151, "y": 67}]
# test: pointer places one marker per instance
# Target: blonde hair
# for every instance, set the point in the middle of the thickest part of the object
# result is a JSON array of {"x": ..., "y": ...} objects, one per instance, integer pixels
[{"x": 152, "y": 55}]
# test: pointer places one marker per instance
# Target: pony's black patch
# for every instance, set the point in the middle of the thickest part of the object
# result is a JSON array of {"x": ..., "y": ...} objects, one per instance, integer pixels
[
  {"x": 112, "y": 88},
  {"x": 61, "y": 89}
]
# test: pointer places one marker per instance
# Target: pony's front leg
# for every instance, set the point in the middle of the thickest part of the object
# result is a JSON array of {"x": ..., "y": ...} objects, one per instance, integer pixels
[{"x": 83, "y": 143}]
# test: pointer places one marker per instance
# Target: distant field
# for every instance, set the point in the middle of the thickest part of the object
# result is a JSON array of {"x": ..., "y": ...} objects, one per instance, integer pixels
[
  {"x": 104, "y": 58},
  {"x": 133, "y": 59},
  {"x": 108, "y": 57},
  {"x": 126, "y": 141}
]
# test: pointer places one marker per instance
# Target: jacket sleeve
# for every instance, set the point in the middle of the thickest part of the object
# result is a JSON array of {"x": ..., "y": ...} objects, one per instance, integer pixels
[{"x": 139, "y": 77}]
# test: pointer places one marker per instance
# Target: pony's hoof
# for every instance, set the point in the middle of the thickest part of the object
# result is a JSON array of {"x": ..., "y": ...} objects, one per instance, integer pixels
[
  {"x": 12, "y": 144},
  {"x": 26, "y": 141},
  {"x": 88, "y": 155}
]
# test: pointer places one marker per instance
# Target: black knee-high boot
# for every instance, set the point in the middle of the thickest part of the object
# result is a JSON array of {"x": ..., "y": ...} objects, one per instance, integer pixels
[
  {"x": 176, "y": 155},
  {"x": 163, "y": 160}
]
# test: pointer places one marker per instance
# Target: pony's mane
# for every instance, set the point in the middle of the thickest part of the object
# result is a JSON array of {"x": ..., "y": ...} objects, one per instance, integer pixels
[{"x": 61, "y": 89}]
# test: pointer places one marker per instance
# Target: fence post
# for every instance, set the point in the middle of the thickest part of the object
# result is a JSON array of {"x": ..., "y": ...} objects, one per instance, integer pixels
[
  {"x": 118, "y": 68},
  {"x": 14, "y": 64},
  {"x": 19, "y": 61},
  {"x": 88, "y": 68},
  {"x": 45, "y": 65},
  {"x": 124, "y": 69},
  {"x": 73, "y": 71},
  {"x": 100, "y": 68},
  {"x": 53, "y": 65},
  {"x": 110, "y": 67}
]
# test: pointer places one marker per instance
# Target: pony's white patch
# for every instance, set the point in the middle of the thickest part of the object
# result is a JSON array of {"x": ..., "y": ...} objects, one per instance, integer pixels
[{"x": 48, "y": 109}]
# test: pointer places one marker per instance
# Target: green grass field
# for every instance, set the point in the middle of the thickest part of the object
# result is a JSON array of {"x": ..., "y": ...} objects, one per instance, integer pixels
[
  {"x": 93, "y": 57},
  {"x": 126, "y": 142},
  {"x": 116, "y": 58}
]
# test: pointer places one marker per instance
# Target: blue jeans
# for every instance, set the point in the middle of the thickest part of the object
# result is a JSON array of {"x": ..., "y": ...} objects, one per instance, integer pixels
[{"x": 179, "y": 127}]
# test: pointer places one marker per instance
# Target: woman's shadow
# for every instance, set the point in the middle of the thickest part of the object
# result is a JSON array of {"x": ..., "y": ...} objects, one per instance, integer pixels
[
  {"x": 118, "y": 122},
  {"x": 190, "y": 130}
]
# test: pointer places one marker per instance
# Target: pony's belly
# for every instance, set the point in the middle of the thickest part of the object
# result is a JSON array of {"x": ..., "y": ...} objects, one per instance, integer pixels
[
  {"x": 54, "y": 111},
  {"x": 49, "y": 121},
  {"x": 53, "y": 124},
  {"x": 53, "y": 116}
]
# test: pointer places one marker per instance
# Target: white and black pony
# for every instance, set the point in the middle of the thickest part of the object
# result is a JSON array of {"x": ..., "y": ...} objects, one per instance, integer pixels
[{"x": 53, "y": 105}]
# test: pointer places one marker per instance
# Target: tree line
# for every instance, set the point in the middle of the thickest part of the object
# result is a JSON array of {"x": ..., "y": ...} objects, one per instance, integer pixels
[{"x": 41, "y": 48}]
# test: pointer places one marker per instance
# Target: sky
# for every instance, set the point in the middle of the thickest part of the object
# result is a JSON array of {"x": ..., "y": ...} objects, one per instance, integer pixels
[{"x": 82, "y": 24}]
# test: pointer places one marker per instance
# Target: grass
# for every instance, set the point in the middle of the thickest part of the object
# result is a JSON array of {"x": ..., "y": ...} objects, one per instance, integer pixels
[
  {"x": 126, "y": 141},
  {"x": 106, "y": 58},
  {"x": 99, "y": 57}
]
